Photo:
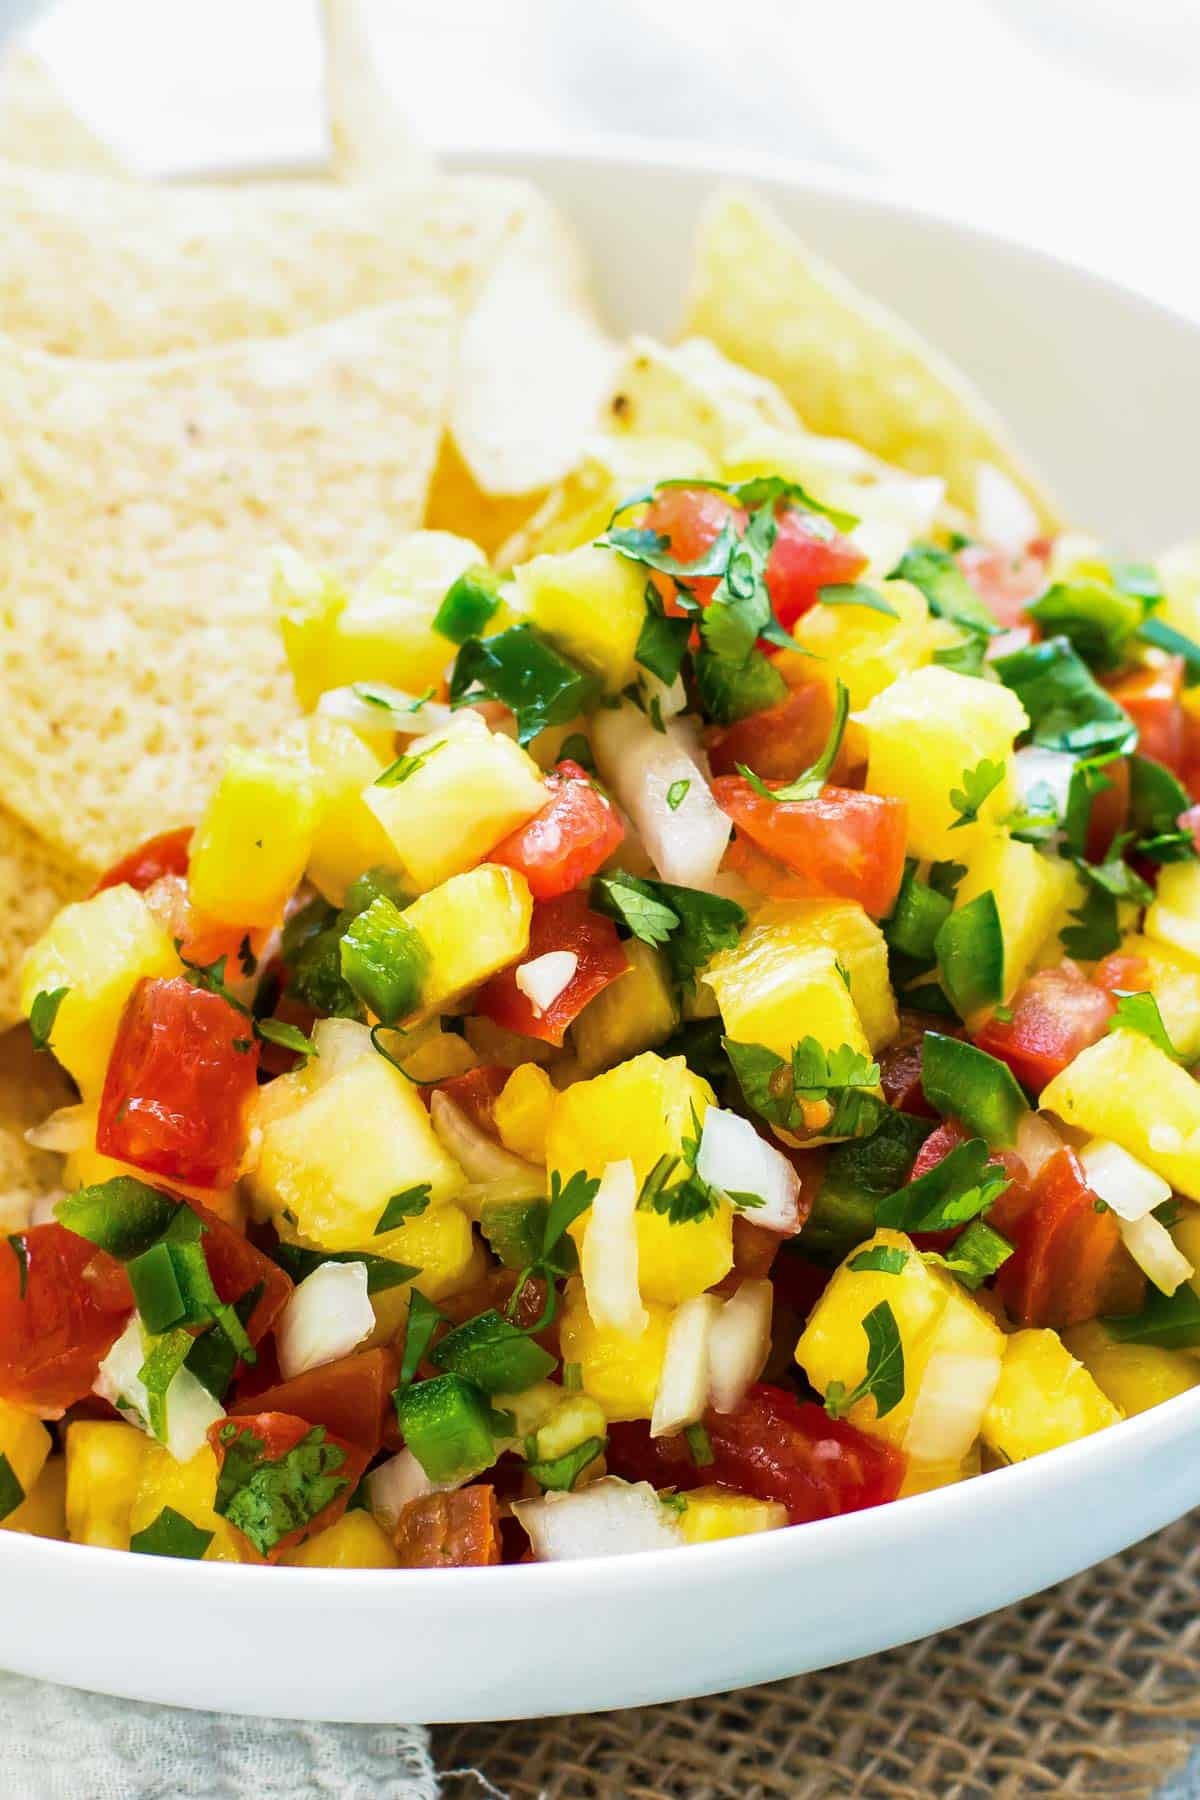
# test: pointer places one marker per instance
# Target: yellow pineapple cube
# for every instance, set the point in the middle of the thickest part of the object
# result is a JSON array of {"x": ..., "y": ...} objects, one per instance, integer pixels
[
  {"x": 24, "y": 1447},
  {"x": 472, "y": 925},
  {"x": 621, "y": 1373},
  {"x": 924, "y": 732},
  {"x": 591, "y": 601},
  {"x": 347, "y": 837},
  {"x": 471, "y": 789},
  {"x": 188, "y": 1488},
  {"x": 923, "y": 1477},
  {"x": 574, "y": 1419},
  {"x": 1044, "y": 1398},
  {"x": 1127, "y": 1089},
  {"x": 865, "y": 649},
  {"x": 638, "y": 1012},
  {"x": 711, "y": 1513},
  {"x": 1029, "y": 890},
  {"x": 98, "y": 949},
  {"x": 1173, "y": 977},
  {"x": 308, "y": 602},
  {"x": 355, "y": 1542},
  {"x": 611, "y": 469},
  {"x": 384, "y": 632},
  {"x": 252, "y": 845},
  {"x": 104, "y": 1469},
  {"x": 1134, "y": 1377},
  {"x": 643, "y": 1109},
  {"x": 44, "y": 1512},
  {"x": 523, "y": 1112},
  {"x": 856, "y": 941},
  {"x": 1174, "y": 917},
  {"x": 437, "y": 1056}
]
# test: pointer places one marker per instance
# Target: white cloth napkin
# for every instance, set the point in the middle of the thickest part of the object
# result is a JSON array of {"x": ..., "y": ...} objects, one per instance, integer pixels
[{"x": 58, "y": 1744}]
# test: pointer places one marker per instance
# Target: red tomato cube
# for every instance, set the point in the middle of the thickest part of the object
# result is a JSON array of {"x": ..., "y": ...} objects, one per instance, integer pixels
[{"x": 563, "y": 924}]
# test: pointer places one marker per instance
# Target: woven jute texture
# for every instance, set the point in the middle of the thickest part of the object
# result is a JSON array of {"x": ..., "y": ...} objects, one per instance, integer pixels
[{"x": 1085, "y": 1691}]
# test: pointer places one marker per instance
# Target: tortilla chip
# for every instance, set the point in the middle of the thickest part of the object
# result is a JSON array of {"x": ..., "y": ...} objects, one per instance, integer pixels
[
  {"x": 850, "y": 367},
  {"x": 694, "y": 393},
  {"x": 34, "y": 882},
  {"x": 136, "y": 636},
  {"x": 31, "y": 1087},
  {"x": 107, "y": 269},
  {"x": 37, "y": 125},
  {"x": 534, "y": 363}
]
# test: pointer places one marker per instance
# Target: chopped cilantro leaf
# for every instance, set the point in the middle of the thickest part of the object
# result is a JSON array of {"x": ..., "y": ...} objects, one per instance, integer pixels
[
  {"x": 43, "y": 1013},
  {"x": 977, "y": 784},
  {"x": 1097, "y": 620},
  {"x": 884, "y": 1379},
  {"x": 948, "y": 593},
  {"x": 662, "y": 642},
  {"x": 1095, "y": 932},
  {"x": 1067, "y": 708},
  {"x": 882, "y": 1259},
  {"x": 974, "y": 1255},
  {"x": 956, "y": 1189},
  {"x": 1140, "y": 1013},
  {"x": 408, "y": 1205},
  {"x": 856, "y": 593},
  {"x": 808, "y": 785},
  {"x": 405, "y": 767},
  {"x": 691, "y": 925},
  {"x": 816, "y": 1093},
  {"x": 527, "y": 673},
  {"x": 170, "y": 1534},
  {"x": 288, "y": 1037},
  {"x": 11, "y": 1491},
  {"x": 677, "y": 793},
  {"x": 268, "y": 1499}
]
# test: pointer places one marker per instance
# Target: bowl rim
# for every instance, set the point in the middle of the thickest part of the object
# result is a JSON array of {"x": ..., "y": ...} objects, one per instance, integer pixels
[{"x": 893, "y": 1523}]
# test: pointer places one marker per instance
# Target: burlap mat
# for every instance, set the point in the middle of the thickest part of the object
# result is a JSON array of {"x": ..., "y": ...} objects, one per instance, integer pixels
[{"x": 1084, "y": 1691}]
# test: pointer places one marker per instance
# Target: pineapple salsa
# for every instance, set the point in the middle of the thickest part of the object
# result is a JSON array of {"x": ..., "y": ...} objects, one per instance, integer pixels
[{"x": 690, "y": 1032}]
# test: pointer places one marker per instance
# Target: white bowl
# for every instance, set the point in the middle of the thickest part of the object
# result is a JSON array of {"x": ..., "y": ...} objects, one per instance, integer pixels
[{"x": 1105, "y": 389}]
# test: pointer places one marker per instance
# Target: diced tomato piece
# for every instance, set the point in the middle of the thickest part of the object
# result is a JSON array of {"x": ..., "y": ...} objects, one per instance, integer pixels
[
  {"x": 238, "y": 1268},
  {"x": 1006, "y": 584},
  {"x": 900, "y": 1071},
  {"x": 182, "y": 1069},
  {"x": 1110, "y": 807},
  {"x": 781, "y": 741},
  {"x": 1055, "y": 1014},
  {"x": 1069, "y": 1263},
  {"x": 937, "y": 1146},
  {"x": 843, "y": 844},
  {"x": 1151, "y": 698},
  {"x": 275, "y": 1435},
  {"x": 1122, "y": 974},
  {"x": 166, "y": 854},
  {"x": 475, "y": 1093},
  {"x": 754, "y": 1249},
  {"x": 63, "y": 1304},
  {"x": 691, "y": 520},
  {"x": 351, "y": 1397},
  {"x": 798, "y": 1283},
  {"x": 569, "y": 924},
  {"x": 568, "y": 840},
  {"x": 774, "y": 1447},
  {"x": 459, "y": 1530}
]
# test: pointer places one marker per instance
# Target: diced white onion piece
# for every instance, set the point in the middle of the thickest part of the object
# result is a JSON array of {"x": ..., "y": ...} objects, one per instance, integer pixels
[
  {"x": 641, "y": 766},
  {"x": 402, "y": 712},
  {"x": 1035, "y": 768},
  {"x": 1155, "y": 1252},
  {"x": 735, "y": 1159},
  {"x": 1121, "y": 1181},
  {"x": 609, "y": 1260},
  {"x": 190, "y": 1410},
  {"x": 328, "y": 1315},
  {"x": 1003, "y": 514},
  {"x": 394, "y": 1483},
  {"x": 118, "y": 1380},
  {"x": 42, "y": 1210},
  {"x": 739, "y": 1343},
  {"x": 1037, "y": 1142},
  {"x": 683, "y": 1385},
  {"x": 672, "y": 700},
  {"x": 954, "y": 1394},
  {"x": 478, "y": 1155},
  {"x": 607, "y": 1518},
  {"x": 543, "y": 979},
  {"x": 70, "y": 1128}
]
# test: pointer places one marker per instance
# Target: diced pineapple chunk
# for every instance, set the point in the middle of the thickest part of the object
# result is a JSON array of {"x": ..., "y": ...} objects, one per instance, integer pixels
[
  {"x": 864, "y": 649},
  {"x": 44, "y": 1511},
  {"x": 347, "y": 837},
  {"x": 98, "y": 949},
  {"x": 1127, "y": 1089},
  {"x": 932, "y": 1313},
  {"x": 1029, "y": 890},
  {"x": 253, "y": 843},
  {"x": 350, "y": 1138},
  {"x": 711, "y": 1513},
  {"x": 1174, "y": 917},
  {"x": 575, "y": 1418},
  {"x": 505, "y": 1049},
  {"x": 472, "y": 789},
  {"x": 1173, "y": 977},
  {"x": 580, "y": 507},
  {"x": 923, "y": 733},
  {"x": 1044, "y": 1398},
  {"x": 1134, "y": 1377},
  {"x": 104, "y": 1468},
  {"x": 24, "y": 1447},
  {"x": 523, "y": 1112},
  {"x": 856, "y": 941},
  {"x": 308, "y": 602},
  {"x": 473, "y": 925},
  {"x": 357, "y": 1541},
  {"x": 438, "y": 1056},
  {"x": 775, "y": 991},
  {"x": 620, "y": 1372},
  {"x": 643, "y": 1109},
  {"x": 591, "y": 601},
  {"x": 923, "y": 1477},
  {"x": 188, "y": 1488},
  {"x": 639, "y": 1012}
]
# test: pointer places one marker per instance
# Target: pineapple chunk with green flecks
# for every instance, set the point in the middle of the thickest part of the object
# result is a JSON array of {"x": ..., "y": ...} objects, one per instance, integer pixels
[
  {"x": 1127, "y": 1089},
  {"x": 856, "y": 941},
  {"x": 592, "y": 603},
  {"x": 864, "y": 649},
  {"x": 1044, "y": 1398},
  {"x": 712, "y": 1513},
  {"x": 471, "y": 926},
  {"x": 188, "y": 1488},
  {"x": 775, "y": 991},
  {"x": 252, "y": 845},
  {"x": 621, "y": 1373},
  {"x": 1173, "y": 977},
  {"x": 1029, "y": 891},
  {"x": 104, "y": 1471},
  {"x": 462, "y": 791},
  {"x": 1134, "y": 1377},
  {"x": 24, "y": 1447},
  {"x": 98, "y": 950},
  {"x": 347, "y": 836},
  {"x": 925, "y": 733}
]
